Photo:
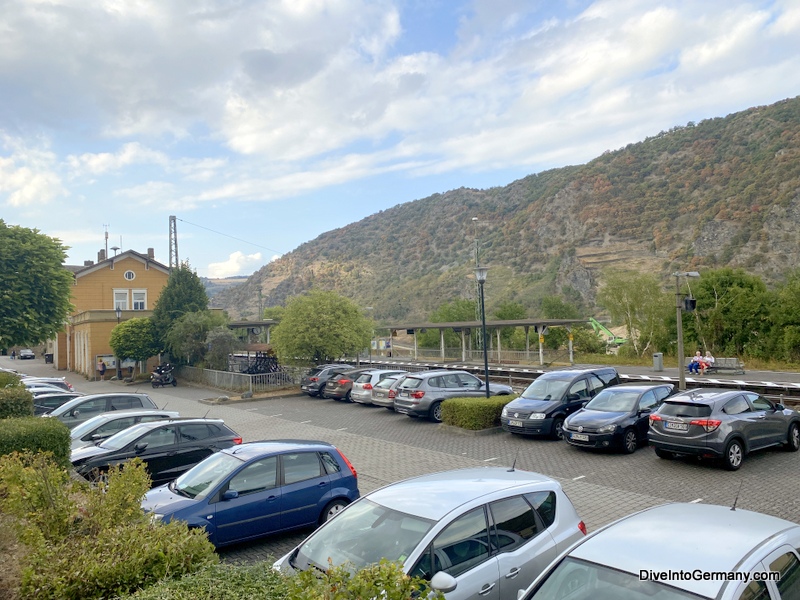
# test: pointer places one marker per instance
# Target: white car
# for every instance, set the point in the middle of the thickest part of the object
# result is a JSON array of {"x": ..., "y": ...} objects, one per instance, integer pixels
[
  {"x": 679, "y": 552},
  {"x": 366, "y": 382},
  {"x": 476, "y": 533}
]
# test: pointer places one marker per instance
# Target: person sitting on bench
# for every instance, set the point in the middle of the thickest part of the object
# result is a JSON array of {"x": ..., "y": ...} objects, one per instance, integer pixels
[
  {"x": 706, "y": 362},
  {"x": 694, "y": 365}
]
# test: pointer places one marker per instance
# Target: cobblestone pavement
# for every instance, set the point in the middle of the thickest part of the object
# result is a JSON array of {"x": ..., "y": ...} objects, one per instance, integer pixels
[{"x": 385, "y": 447}]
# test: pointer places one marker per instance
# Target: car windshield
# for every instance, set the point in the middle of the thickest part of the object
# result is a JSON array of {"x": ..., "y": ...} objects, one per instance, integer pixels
[
  {"x": 364, "y": 378},
  {"x": 124, "y": 437},
  {"x": 614, "y": 401},
  {"x": 386, "y": 382},
  {"x": 580, "y": 580},
  {"x": 82, "y": 429},
  {"x": 205, "y": 476},
  {"x": 362, "y": 535},
  {"x": 411, "y": 383},
  {"x": 546, "y": 388}
]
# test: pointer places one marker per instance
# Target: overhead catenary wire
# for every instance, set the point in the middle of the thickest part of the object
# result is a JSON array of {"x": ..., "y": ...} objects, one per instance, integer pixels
[{"x": 230, "y": 236}]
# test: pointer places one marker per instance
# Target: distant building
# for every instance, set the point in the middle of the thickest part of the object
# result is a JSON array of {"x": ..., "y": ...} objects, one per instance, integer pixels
[{"x": 131, "y": 281}]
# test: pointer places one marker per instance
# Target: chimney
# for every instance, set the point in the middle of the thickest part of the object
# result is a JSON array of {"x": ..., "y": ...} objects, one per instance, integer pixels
[
  {"x": 151, "y": 254},
  {"x": 101, "y": 256},
  {"x": 88, "y": 263}
]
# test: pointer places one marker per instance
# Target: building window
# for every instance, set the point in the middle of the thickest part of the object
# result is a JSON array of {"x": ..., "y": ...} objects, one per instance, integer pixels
[
  {"x": 130, "y": 275},
  {"x": 121, "y": 299},
  {"x": 139, "y": 299}
]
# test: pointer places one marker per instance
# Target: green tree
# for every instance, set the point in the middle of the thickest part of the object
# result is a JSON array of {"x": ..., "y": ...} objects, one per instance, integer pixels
[
  {"x": 134, "y": 339},
  {"x": 221, "y": 342},
  {"x": 184, "y": 293},
  {"x": 186, "y": 338},
  {"x": 35, "y": 287},
  {"x": 785, "y": 318},
  {"x": 511, "y": 337},
  {"x": 273, "y": 312},
  {"x": 450, "y": 312},
  {"x": 554, "y": 307},
  {"x": 319, "y": 327},
  {"x": 637, "y": 301}
]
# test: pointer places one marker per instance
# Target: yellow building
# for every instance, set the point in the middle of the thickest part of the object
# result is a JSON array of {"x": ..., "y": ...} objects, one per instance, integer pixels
[{"x": 129, "y": 281}]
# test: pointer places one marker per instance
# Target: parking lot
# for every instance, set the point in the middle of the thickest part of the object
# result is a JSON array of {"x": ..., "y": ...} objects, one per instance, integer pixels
[{"x": 385, "y": 447}]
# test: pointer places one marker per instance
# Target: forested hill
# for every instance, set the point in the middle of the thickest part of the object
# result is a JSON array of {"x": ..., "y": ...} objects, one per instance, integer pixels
[{"x": 721, "y": 192}]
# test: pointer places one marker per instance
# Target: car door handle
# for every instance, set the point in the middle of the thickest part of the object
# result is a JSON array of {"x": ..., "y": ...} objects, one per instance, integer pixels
[
  {"x": 322, "y": 484},
  {"x": 486, "y": 589},
  {"x": 512, "y": 573},
  {"x": 761, "y": 416}
]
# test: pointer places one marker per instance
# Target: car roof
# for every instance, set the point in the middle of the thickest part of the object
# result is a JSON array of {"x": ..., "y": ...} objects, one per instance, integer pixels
[
  {"x": 254, "y": 449},
  {"x": 68, "y": 405},
  {"x": 181, "y": 420},
  {"x": 705, "y": 395},
  {"x": 574, "y": 371},
  {"x": 132, "y": 412},
  {"x": 434, "y": 495},
  {"x": 681, "y": 537},
  {"x": 434, "y": 372},
  {"x": 636, "y": 386}
]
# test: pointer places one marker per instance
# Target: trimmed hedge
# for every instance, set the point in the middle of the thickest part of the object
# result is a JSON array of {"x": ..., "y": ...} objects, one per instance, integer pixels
[
  {"x": 15, "y": 400},
  {"x": 474, "y": 413},
  {"x": 9, "y": 380},
  {"x": 36, "y": 434}
]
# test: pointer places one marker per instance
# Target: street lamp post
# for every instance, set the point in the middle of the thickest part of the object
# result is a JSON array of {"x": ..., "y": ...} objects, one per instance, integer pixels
[
  {"x": 118, "y": 310},
  {"x": 480, "y": 275},
  {"x": 679, "y": 320}
]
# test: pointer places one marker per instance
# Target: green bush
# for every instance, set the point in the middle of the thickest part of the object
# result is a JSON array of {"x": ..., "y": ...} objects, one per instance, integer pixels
[
  {"x": 15, "y": 401},
  {"x": 9, "y": 380},
  {"x": 36, "y": 434},
  {"x": 474, "y": 413}
]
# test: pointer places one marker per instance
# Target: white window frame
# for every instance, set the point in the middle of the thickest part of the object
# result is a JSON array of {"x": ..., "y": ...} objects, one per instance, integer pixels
[
  {"x": 118, "y": 300},
  {"x": 132, "y": 275},
  {"x": 144, "y": 301}
]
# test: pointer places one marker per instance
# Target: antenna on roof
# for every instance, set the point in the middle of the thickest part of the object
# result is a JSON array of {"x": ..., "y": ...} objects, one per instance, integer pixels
[
  {"x": 514, "y": 464},
  {"x": 208, "y": 411},
  {"x": 737, "y": 495}
]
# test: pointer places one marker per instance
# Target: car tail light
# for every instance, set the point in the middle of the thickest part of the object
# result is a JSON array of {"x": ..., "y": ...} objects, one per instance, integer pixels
[
  {"x": 313, "y": 378},
  {"x": 348, "y": 463},
  {"x": 418, "y": 394},
  {"x": 367, "y": 386},
  {"x": 392, "y": 394},
  {"x": 582, "y": 527},
  {"x": 708, "y": 424},
  {"x": 654, "y": 418},
  {"x": 69, "y": 385},
  {"x": 343, "y": 381},
  {"x": 237, "y": 440}
]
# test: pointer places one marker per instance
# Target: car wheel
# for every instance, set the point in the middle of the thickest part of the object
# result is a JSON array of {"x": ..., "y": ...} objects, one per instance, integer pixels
[
  {"x": 174, "y": 382},
  {"x": 794, "y": 438},
  {"x": 665, "y": 454},
  {"x": 734, "y": 455},
  {"x": 558, "y": 429},
  {"x": 348, "y": 397},
  {"x": 332, "y": 509},
  {"x": 435, "y": 414},
  {"x": 629, "y": 441}
]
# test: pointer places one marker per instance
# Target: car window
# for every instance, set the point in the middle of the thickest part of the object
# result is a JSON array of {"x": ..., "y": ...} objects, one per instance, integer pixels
[
  {"x": 608, "y": 377},
  {"x": 579, "y": 388},
  {"x": 759, "y": 402},
  {"x": 545, "y": 505},
  {"x": 329, "y": 462},
  {"x": 662, "y": 392},
  {"x": 158, "y": 438},
  {"x": 789, "y": 583},
  {"x": 648, "y": 400},
  {"x": 114, "y": 426},
  {"x": 684, "y": 409},
  {"x": 97, "y": 405},
  {"x": 468, "y": 380},
  {"x": 514, "y": 523},
  {"x": 364, "y": 378},
  {"x": 126, "y": 402},
  {"x": 451, "y": 381},
  {"x": 436, "y": 382},
  {"x": 755, "y": 590},
  {"x": 150, "y": 418},
  {"x": 193, "y": 432},
  {"x": 595, "y": 383},
  {"x": 256, "y": 477},
  {"x": 464, "y": 543},
  {"x": 736, "y": 406},
  {"x": 300, "y": 466},
  {"x": 412, "y": 383},
  {"x": 386, "y": 383}
]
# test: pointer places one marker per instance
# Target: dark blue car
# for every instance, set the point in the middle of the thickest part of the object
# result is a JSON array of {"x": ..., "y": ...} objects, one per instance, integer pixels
[{"x": 258, "y": 488}]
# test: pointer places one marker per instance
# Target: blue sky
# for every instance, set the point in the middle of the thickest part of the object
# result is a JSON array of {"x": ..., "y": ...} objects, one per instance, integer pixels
[{"x": 260, "y": 124}]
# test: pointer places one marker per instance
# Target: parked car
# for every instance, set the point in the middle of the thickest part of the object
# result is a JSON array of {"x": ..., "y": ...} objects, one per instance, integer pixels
[
  {"x": 82, "y": 409},
  {"x": 340, "y": 386},
  {"x": 385, "y": 391},
  {"x": 107, "y": 424},
  {"x": 45, "y": 401},
  {"x": 488, "y": 528},
  {"x": 26, "y": 353},
  {"x": 365, "y": 383},
  {"x": 421, "y": 394},
  {"x": 60, "y": 382},
  {"x": 168, "y": 448},
  {"x": 679, "y": 552},
  {"x": 40, "y": 387},
  {"x": 257, "y": 489},
  {"x": 552, "y": 397},
  {"x": 314, "y": 382},
  {"x": 617, "y": 417},
  {"x": 726, "y": 424}
]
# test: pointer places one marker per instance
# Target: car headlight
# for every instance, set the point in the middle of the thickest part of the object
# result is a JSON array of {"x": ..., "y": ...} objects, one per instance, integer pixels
[
  {"x": 607, "y": 429},
  {"x": 537, "y": 416},
  {"x": 505, "y": 412},
  {"x": 155, "y": 517}
]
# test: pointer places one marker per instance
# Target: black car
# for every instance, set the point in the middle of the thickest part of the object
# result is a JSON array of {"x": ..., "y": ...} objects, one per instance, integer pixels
[
  {"x": 313, "y": 384},
  {"x": 168, "y": 448},
  {"x": 618, "y": 417},
  {"x": 45, "y": 403}
]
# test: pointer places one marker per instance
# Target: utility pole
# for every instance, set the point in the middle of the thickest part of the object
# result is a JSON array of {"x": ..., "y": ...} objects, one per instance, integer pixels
[{"x": 174, "y": 263}]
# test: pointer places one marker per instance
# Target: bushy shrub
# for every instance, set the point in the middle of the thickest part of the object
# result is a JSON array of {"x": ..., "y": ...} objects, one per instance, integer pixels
[
  {"x": 36, "y": 434},
  {"x": 474, "y": 413},
  {"x": 15, "y": 401},
  {"x": 87, "y": 541},
  {"x": 9, "y": 380}
]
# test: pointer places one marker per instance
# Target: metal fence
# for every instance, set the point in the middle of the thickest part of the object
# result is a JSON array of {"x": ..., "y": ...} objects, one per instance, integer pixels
[{"x": 242, "y": 382}]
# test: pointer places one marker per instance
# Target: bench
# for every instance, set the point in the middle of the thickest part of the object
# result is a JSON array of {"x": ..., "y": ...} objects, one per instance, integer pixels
[{"x": 723, "y": 365}]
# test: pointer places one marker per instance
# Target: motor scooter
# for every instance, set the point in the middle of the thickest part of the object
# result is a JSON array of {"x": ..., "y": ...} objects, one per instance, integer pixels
[{"x": 163, "y": 375}]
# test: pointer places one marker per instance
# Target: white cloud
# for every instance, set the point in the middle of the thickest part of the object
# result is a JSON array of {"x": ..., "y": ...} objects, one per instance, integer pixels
[
  {"x": 27, "y": 176},
  {"x": 238, "y": 263}
]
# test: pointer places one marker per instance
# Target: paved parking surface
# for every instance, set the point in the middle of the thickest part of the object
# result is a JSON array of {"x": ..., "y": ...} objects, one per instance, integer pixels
[{"x": 385, "y": 447}]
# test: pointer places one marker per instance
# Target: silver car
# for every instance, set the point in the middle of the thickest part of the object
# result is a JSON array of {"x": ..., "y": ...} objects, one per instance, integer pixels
[
  {"x": 679, "y": 552},
  {"x": 107, "y": 424},
  {"x": 726, "y": 424},
  {"x": 366, "y": 382},
  {"x": 385, "y": 391},
  {"x": 82, "y": 409},
  {"x": 486, "y": 531},
  {"x": 421, "y": 394}
]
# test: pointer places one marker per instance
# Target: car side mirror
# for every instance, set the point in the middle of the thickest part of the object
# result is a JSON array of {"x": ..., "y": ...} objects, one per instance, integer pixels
[
  {"x": 443, "y": 582},
  {"x": 573, "y": 397},
  {"x": 645, "y": 411},
  {"x": 779, "y": 406},
  {"x": 76, "y": 412},
  {"x": 140, "y": 447},
  {"x": 230, "y": 495}
]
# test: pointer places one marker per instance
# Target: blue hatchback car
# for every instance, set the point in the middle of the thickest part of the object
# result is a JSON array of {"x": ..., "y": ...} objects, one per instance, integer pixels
[{"x": 258, "y": 488}]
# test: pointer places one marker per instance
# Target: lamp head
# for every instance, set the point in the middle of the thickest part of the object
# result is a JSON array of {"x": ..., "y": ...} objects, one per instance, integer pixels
[
  {"x": 118, "y": 310},
  {"x": 480, "y": 274}
]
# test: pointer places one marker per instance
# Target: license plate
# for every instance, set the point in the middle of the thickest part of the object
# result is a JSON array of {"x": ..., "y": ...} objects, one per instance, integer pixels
[
  {"x": 404, "y": 394},
  {"x": 676, "y": 426},
  {"x": 380, "y": 395},
  {"x": 514, "y": 423},
  {"x": 303, "y": 387},
  {"x": 579, "y": 437}
]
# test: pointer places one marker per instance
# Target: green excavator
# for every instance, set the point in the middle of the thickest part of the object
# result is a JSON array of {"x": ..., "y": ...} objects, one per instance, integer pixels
[{"x": 611, "y": 339}]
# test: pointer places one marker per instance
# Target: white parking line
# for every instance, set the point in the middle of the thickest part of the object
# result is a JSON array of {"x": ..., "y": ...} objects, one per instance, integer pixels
[
  {"x": 304, "y": 422},
  {"x": 578, "y": 477},
  {"x": 490, "y": 459},
  {"x": 251, "y": 409},
  {"x": 342, "y": 429},
  {"x": 696, "y": 501},
  {"x": 278, "y": 415}
]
